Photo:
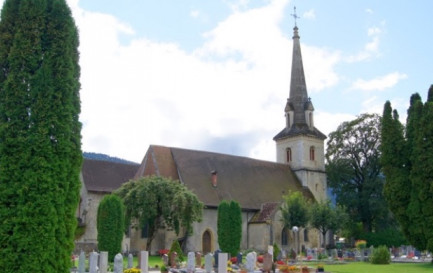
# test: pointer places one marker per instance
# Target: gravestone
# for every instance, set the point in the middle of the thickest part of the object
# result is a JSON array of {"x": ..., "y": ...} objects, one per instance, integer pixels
[
  {"x": 222, "y": 262},
  {"x": 130, "y": 261},
  {"x": 93, "y": 262},
  {"x": 208, "y": 262},
  {"x": 103, "y": 262},
  {"x": 82, "y": 262},
  {"x": 216, "y": 256},
  {"x": 198, "y": 259},
  {"x": 118, "y": 263},
  {"x": 267, "y": 262},
  {"x": 173, "y": 257},
  {"x": 190, "y": 266},
  {"x": 239, "y": 258},
  {"x": 165, "y": 260},
  {"x": 144, "y": 261},
  {"x": 250, "y": 262}
]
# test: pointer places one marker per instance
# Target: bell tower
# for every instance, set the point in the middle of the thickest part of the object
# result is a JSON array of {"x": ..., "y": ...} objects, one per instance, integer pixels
[{"x": 300, "y": 144}]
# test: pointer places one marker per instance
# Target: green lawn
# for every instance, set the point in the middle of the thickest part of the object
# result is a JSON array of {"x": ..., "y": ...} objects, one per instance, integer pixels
[{"x": 360, "y": 267}]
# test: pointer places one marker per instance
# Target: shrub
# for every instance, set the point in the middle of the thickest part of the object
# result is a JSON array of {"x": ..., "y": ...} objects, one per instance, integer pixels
[
  {"x": 175, "y": 247},
  {"x": 276, "y": 252},
  {"x": 132, "y": 270},
  {"x": 380, "y": 255}
]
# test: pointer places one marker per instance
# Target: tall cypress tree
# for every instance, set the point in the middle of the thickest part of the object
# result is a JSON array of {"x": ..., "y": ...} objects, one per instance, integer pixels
[
  {"x": 395, "y": 166},
  {"x": 40, "y": 141},
  {"x": 111, "y": 225}
]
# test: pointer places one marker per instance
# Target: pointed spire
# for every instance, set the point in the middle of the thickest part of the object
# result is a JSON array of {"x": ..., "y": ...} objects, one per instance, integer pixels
[
  {"x": 298, "y": 88},
  {"x": 299, "y": 105}
]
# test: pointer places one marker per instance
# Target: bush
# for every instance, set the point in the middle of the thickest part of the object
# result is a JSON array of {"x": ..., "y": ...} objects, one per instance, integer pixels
[
  {"x": 380, "y": 255},
  {"x": 175, "y": 247},
  {"x": 276, "y": 251}
]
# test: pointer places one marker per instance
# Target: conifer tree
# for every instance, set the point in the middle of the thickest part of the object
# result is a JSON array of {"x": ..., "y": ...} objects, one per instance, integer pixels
[
  {"x": 40, "y": 141},
  {"x": 111, "y": 225},
  {"x": 395, "y": 166}
]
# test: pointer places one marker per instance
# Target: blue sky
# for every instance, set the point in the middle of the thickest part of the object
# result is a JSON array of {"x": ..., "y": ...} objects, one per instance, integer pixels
[{"x": 214, "y": 75}]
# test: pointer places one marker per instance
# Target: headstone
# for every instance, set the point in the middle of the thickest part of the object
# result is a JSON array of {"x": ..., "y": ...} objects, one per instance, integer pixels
[
  {"x": 267, "y": 262},
  {"x": 222, "y": 262},
  {"x": 173, "y": 257},
  {"x": 190, "y": 266},
  {"x": 250, "y": 262},
  {"x": 103, "y": 262},
  {"x": 216, "y": 256},
  {"x": 208, "y": 262},
  {"x": 239, "y": 258},
  {"x": 144, "y": 261},
  {"x": 93, "y": 262},
  {"x": 130, "y": 261},
  {"x": 82, "y": 263},
  {"x": 165, "y": 260},
  {"x": 118, "y": 263},
  {"x": 198, "y": 259}
]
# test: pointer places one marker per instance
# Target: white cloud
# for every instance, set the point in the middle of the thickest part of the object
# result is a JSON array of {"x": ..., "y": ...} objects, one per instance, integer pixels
[
  {"x": 371, "y": 48},
  {"x": 369, "y": 11},
  {"x": 373, "y": 31},
  {"x": 311, "y": 14},
  {"x": 379, "y": 83}
]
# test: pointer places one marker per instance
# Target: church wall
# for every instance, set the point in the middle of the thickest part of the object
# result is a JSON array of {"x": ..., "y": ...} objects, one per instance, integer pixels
[{"x": 259, "y": 236}]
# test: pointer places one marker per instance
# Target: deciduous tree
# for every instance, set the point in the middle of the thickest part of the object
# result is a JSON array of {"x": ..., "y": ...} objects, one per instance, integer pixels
[
  {"x": 40, "y": 141},
  {"x": 158, "y": 202},
  {"x": 354, "y": 170}
]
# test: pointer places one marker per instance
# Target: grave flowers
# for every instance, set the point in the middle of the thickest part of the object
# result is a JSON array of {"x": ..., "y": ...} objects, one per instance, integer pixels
[{"x": 320, "y": 268}]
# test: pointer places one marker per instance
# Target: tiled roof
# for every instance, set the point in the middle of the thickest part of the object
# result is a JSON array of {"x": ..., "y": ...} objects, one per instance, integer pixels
[
  {"x": 249, "y": 181},
  {"x": 265, "y": 214},
  {"x": 106, "y": 176}
]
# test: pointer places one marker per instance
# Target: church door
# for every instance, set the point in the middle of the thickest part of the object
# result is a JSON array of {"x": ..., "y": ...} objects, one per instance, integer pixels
[{"x": 206, "y": 241}]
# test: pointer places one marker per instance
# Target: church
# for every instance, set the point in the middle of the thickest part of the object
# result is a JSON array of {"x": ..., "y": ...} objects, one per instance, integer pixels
[{"x": 257, "y": 185}]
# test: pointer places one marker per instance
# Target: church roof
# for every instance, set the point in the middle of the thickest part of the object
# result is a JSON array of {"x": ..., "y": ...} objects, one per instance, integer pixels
[
  {"x": 106, "y": 176},
  {"x": 248, "y": 181}
]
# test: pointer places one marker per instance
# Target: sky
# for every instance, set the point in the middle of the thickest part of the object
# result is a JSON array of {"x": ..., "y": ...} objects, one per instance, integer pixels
[{"x": 214, "y": 75}]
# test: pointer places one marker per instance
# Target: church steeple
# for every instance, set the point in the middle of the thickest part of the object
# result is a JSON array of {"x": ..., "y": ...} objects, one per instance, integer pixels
[
  {"x": 300, "y": 144},
  {"x": 299, "y": 108}
]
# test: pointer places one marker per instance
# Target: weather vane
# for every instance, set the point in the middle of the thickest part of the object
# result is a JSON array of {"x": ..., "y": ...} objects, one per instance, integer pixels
[{"x": 294, "y": 15}]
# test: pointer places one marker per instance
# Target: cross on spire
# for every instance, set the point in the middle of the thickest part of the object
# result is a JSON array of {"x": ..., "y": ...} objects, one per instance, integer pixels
[{"x": 294, "y": 15}]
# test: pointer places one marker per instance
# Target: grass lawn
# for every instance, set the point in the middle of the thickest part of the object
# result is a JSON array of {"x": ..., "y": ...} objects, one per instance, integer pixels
[{"x": 361, "y": 267}]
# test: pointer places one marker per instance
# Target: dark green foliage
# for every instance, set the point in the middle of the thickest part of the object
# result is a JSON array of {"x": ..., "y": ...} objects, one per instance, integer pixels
[
  {"x": 294, "y": 210},
  {"x": 390, "y": 237},
  {"x": 324, "y": 217},
  {"x": 381, "y": 255},
  {"x": 110, "y": 225},
  {"x": 160, "y": 203},
  {"x": 175, "y": 247},
  {"x": 40, "y": 141},
  {"x": 354, "y": 171},
  {"x": 409, "y": 181},
  {"x": 229, "y": 227},
  {"x": 277, "y": 252}
]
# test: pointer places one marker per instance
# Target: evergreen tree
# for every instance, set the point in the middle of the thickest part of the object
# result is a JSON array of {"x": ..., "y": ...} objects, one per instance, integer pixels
[
  {"x": 40, "y": 141},
  {"x": 224, "y": 226},
  {"x": 395, "y": 164},
  {"x": 110, "y": 225},
  {"x": 409, "y": 175},
  {"x": 236, "y": 228}
]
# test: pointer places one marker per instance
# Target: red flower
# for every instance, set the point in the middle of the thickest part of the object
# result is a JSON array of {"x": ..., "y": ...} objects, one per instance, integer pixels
[
  {"x": 163, "y": 251},
  {"x": 260, "y": 259},
  {"x": 234, "y": 260}
]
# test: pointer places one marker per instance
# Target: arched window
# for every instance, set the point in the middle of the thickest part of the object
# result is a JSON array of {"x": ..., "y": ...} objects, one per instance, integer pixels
[
  {"x": 312, "y": 153},
  {"x": 289, "y": 155},
  {"x": 305, "y": 235},
  {"x": 288, "y": 120},
  {"x": 310, "y": 118},
  {"x": 284, "y": 237}
]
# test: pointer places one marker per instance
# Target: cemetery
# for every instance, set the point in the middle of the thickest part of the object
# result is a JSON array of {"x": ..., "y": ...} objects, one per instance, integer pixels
[{"x": 253, "y": 262}]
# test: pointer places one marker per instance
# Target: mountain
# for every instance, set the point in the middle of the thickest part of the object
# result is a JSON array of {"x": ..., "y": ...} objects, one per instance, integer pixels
[{"x": 104, "y": 157}]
